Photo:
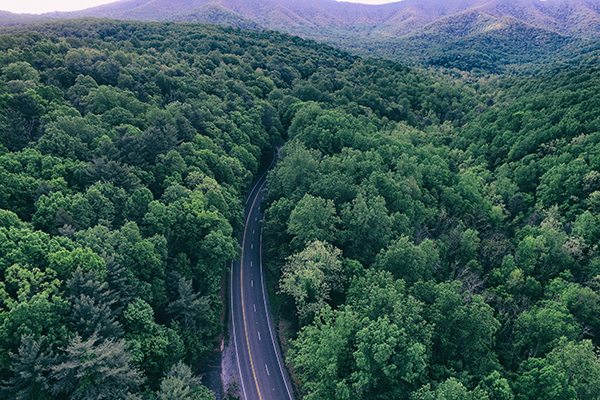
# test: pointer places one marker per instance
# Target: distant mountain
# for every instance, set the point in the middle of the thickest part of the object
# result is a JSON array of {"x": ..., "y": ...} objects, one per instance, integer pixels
[
  {"x": 488, "y": 43},
  {"x": 217, "y": 14},
  {"x": 467, "y": 34},
  {"x": 10, "y": 19},
  {"x": 280, "y": 14},
  {"x": 570, "y": 17}
]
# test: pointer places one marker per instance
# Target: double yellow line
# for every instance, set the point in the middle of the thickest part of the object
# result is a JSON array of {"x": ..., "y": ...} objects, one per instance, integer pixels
[{"x": 242, "y": 287}]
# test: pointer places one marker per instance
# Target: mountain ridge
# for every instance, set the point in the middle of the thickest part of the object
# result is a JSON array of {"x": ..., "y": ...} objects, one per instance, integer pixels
[
  {"x": 579, "y": 18},
  {"x": 407, "y": 31}
]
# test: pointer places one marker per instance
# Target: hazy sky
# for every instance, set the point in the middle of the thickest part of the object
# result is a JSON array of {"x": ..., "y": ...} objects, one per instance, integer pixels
[
  {"x": 370, "y": 1},
  {"x": 42, "y": 6}
]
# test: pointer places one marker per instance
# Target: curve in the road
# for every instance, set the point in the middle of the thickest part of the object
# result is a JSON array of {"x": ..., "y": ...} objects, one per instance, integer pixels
[
  {"x": 242, "y": 289},
  {"x": 251, "y": 316}
]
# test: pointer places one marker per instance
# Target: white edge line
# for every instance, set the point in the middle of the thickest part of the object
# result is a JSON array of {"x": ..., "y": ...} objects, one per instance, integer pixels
[
  {"x": 250, "y": 195},
  {"x": 275, "y": 346},
  {"x": 275, "y": 159},
  {"x": 237, "y": 355}
]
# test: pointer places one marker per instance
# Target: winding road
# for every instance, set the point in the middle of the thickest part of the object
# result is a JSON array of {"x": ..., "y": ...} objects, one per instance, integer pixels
[{"x": 261, "y": 369}]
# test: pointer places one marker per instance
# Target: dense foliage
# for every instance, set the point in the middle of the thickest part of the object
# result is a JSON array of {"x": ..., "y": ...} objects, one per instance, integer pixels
[
  {"x": 477, "y": 36},
  {"x": 126, "y": 153},
  {"x": 127, "y": 149},
  {"x": 445, "y": 260},
  {"x": 437, "y": 240}
]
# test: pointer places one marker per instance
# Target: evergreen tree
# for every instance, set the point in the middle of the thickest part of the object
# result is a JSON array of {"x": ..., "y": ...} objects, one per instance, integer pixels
[
  {"x": 181, "y": 384},
  {"x": 190, "y": 309},
  {"x": 30, "y": 370},
  {"x": 92, "y": 311},
  {"x": 95, "y": 370}
]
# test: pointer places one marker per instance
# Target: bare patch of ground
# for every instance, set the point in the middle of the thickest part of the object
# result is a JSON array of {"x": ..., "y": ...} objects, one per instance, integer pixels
[
  {"x": 229, "y": 373},
  {"x": 287, "y": 326}
]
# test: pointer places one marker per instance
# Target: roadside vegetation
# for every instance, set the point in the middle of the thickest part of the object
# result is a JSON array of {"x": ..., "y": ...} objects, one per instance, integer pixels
[{"x": 435, "y": 239}]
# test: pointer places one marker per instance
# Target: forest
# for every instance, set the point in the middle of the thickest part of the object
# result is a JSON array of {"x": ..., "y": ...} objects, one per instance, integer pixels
[{"x": 436, "y": 238}]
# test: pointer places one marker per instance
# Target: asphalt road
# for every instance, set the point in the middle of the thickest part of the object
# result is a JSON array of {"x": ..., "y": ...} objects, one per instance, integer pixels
[{"x": 261, "y": 369}]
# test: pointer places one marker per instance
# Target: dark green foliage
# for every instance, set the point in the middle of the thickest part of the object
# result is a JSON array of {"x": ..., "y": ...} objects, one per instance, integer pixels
[
  {"x": 92, "y": 370},
  {"x": 570, "y": 371},
  {"x": 189, "y": 308},
  {"x": 181, "y": 384},
  {"x": 489, "y": 220},
  {"x": 30, "y": 371},
  {"x": 121, "y": 168},
  {"x": 407, "y": 261},
  {"x": 440, "y": 239},
  {"x": 95, "y": 308},
  {"x": 155, "y": 348},
  {"x": 465, "y": 330}
]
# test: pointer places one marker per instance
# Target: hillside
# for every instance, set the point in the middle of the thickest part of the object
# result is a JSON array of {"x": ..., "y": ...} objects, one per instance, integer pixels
[
  {"x": 11, "y": 19},
  {"x": 126, "y": 151},
  {"x": 428, "y": 238},
  {"x": 472, "y": 35},
  {"x": 578, "y": 18},
  {"x": 482, "y": 42}
]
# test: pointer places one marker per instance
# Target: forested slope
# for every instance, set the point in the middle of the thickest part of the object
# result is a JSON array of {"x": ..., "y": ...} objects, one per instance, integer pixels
[
  {"x": 126, "y": 152},
  {"x": 434, "y": 239},
  {"x": 454, "y": 259},
  {"x": 481, "y": 36},
  {"x": 123, "y": 169}
]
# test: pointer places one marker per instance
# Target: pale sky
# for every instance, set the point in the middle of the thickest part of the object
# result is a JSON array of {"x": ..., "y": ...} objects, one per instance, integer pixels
[
  {"x": 42, "y": 6},
  {"x": 370, "y": 1}
]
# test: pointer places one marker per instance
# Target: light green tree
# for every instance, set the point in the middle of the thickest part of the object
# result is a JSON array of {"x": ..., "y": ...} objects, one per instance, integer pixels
[
  {"x": 313, "y": 218},
  {"x": 181, "y": 384},
  {"x": 95, "y": 370},
  {"x": 376, "y": 347},
  {"x": 310, "y": 276},
  {"x": 450, "y": 389}
]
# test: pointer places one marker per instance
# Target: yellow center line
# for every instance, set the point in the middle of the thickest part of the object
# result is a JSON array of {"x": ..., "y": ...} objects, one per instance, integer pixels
[{"x": 242, "y": 289}]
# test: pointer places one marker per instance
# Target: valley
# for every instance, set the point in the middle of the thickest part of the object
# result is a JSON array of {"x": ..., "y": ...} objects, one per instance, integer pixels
[
  {"x": 428, "y": 230},
  {"x": 480, "y": 36}
]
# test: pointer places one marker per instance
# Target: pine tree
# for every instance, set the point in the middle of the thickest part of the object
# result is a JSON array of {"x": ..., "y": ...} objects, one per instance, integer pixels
[
  {"x": 95, "y": 370},
  {"x": 181, "y": 384},
  {"x": 190, "y": 308},
  {"x": 29, "y": 370},
  {"x": 92, "y": 311},
  {"x": 116, "y": 277}
]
